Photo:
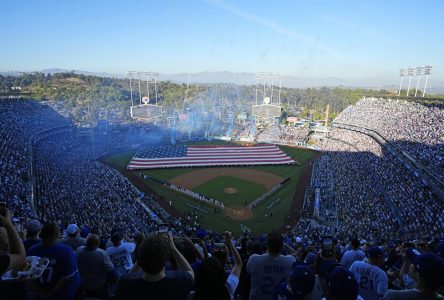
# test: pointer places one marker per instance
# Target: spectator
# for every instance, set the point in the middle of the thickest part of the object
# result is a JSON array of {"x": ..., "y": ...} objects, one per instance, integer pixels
[
  {"x": 428, "y": 271},
  {"x": 139, "y": 237},
  {"x": 16, "y": 257},
  {"x": 155, "y": 282},
  {"x": 96, "y": 270},
  {"x": 270, "y": 269},
  {"x": 73, "y": 240},
  {"x": 211, "y": 280},
  {"x": 373, "y": 281},
  {"x": 299, "y": 286},
  {"x": 352, "y": 255},
  {"x": 61, "y": 278},
  {"x": 340, "y": 285},
  {"x": 439, "y": 249},
  {"x": 32, "y": 234},
  {"x": 120, "y": 253}
]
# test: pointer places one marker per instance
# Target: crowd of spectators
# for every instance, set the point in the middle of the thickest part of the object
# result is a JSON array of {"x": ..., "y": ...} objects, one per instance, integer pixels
[
  {"x": 205, "y": 265},
  {"x": 416, "y": 128},
  {"x": 283, "y": 134},
  {"x": 19, "y": 120},
  {"x": 392, "y": 201},
  {"x": 67, "y": 176},
  {"x": 104, "y": 239}
]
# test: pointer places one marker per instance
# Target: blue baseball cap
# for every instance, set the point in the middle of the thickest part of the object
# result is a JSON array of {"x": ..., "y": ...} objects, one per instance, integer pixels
[
  {"x": 201, "y": 233},
  {"x": 342, "y": 284},
  {"x": 301, "y": 280},
  {"x": 412, "y": 254}
]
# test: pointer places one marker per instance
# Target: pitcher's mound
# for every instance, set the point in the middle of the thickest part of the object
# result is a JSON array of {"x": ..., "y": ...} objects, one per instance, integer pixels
[{"x": 230, "y": 190}]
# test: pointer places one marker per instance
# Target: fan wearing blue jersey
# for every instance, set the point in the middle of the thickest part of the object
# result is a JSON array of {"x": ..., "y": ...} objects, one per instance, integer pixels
[
  {"x": 120, "y": 253},
  {"x": 61, "y": 278},
  {"x": 270, "y": 269},
  {"x": 352, "y": 255},
  {"x": 373, "y": 281}
]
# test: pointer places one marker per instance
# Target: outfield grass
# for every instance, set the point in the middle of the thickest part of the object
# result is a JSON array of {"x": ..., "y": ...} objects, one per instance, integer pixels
[
  {"x": 263, "y": 220},
  {"x": 246, "y": 190}
]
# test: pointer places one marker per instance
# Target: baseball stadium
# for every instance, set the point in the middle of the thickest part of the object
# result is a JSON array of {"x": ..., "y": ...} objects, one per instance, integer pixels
[{"x": 221, "y": 150}]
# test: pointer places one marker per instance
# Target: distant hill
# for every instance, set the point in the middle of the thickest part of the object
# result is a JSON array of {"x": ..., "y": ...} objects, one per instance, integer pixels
[{"x": 435, "y": 86}]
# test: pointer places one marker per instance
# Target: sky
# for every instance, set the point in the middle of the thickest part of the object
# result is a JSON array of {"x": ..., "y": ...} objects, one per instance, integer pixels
[{"x": 313, "y": 39}]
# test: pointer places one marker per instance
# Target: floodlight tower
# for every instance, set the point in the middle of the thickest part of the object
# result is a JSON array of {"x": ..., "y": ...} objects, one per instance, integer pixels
[
  {"x": 427, "y": 72},
  {"x": 402, "y": 73},
  {"x": 419, "y": 72},
  {"x": 147, "y": 74},
  {"x": 415, "y": 71},
  {"x": 410, "y": 72},
  {"x": 140, "y": 93},
  {"x": 130, "y": 75},
  {"x": 155, "y": 75},
  {"x": 151, "y": 77},
  {"x": 265, "y": 77}
]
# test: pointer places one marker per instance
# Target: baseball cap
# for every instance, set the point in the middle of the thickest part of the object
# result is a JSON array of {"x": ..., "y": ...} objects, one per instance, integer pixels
[
  {"x": 430, "y": 267},
  {"x": 201, "y": 233},
  {"x": 298, "y": 240},
  {"x": 72, "y": 228},
  {"x": 301, "y": 280},
  {"x": 342, "y": 284},
  {"x": 375, "y": 252},
  {"x": 412, "y": 254},
  {"x": 34, "y": 226}
]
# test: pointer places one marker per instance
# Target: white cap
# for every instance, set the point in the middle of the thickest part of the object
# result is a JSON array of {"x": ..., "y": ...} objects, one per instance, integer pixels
[{"x": 298, "y": 240}]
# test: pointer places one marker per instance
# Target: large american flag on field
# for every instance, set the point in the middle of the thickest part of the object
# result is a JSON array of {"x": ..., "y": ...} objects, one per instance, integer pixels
[{"x": 195, "y": 156}]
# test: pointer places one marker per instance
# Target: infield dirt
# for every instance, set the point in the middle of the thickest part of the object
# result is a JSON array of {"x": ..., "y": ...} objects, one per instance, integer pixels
[{"x": 195, "y": 178}]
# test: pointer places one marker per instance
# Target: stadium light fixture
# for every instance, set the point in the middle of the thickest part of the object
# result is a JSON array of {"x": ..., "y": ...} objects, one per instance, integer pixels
[
  {"x": 130, "y": 75},
  {"x": 412, "y": 72},
  {"x": 427, "y": 72},
  {"x": 265, "y": 78}
]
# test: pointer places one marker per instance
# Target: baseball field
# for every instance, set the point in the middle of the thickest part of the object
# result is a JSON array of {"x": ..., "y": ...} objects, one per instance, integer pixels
[{"x": 236, "y": 187}]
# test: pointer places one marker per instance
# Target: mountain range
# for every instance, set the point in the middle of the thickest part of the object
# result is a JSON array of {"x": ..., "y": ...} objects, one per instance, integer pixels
[{"x": 434, "y": 86}]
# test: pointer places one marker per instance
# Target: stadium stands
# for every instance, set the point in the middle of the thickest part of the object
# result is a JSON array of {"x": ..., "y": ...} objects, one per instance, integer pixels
[
  {"x": 415, "y": 127},
  {"x": 366, "y": 194}
]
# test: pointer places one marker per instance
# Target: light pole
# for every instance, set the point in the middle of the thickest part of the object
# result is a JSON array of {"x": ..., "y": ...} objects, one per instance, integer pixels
[{"x": 130, "y": 75}]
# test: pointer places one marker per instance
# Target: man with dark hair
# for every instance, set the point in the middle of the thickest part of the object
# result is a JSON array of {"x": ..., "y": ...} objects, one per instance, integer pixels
[
  {"x": 61, "y": 278},
  {"x": 32, "y": 234},
  {"x": 95, "y": 267},
  {"x": 340, "y": 284},
  {"x": 352, "y": 255},
  {"x": 373, "y": 281},
  {"x": 270, "y": 269},
  {"x": 120, "y": 253},
  {"x": 428, "y": 271},
  {"x": 155, "y": 282},
  {"x": 300, "y": 284}
]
